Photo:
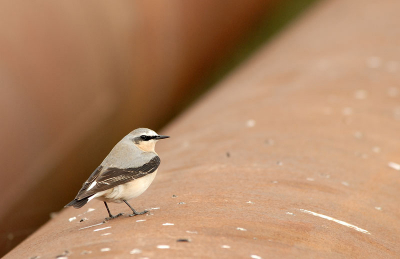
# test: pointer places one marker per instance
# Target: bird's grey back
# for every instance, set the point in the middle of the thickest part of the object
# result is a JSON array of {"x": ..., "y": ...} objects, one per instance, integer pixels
[{"x": 126, "y": 154}]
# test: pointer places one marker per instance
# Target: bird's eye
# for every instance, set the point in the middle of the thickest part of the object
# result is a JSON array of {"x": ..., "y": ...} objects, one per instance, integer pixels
[{"x": 145, "y": 138}]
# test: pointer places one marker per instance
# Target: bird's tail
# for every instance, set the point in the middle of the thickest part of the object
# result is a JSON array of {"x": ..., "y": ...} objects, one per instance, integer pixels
[{"x": 77, "y": 203}]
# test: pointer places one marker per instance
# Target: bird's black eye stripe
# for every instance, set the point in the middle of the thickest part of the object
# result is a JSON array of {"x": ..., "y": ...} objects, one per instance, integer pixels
[{"x": 145, "y": 138}]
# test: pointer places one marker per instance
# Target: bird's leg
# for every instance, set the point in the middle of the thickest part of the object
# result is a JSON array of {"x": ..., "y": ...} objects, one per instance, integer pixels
[
  {"x": 109, "y": 213},
  {"x": 134, "y": 211}
]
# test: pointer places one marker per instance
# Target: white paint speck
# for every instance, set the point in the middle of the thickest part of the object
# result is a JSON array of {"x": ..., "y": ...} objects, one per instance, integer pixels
[
  {"x": 360, "y": 94},
  {"x": 225, "y": 246},
  {"x": 347, "y": 111},
  {"x": 374, "y": 62},
  {"x": 135, "y": 251},
  {"x": 241, "y": 229},
  {"x": 191, "y": 232},
  {"x": 255, "y": 257},
  {"x": 106, "y": 234},
  {"x": 72, "y": 219},
  {"x": 393, "y": 91},
  {"x": 163, "y": 246},
  {"x": 327, "y": 176},
  {"x": 345, "y": 183},
  {"x": 154, "y": 208},
  {"x": 394, "y": 165},
  {"x": 392, "y": 66},
  {"x": 376, "y": 149},
  {"x": 168, "y": 224},
  {"x": 358, "y": 134},
  {"x": 140, "y": 220},
  {"x": 396, "y": 113},
  {"x": 336, "y": 220},
  {"x": 327, "y": 110},
  {"x": 62, "y": 257},
  {"x": 90, "y": 209},
  {"x": 250, "y": 123},
  {"x": 249, "y": 202},
  {"x": 92, "y": 226},
  {"x": 99, "y": 229},
  {"x": 378, "y": 208},
  {"x": 290, "y": 213},
  {"x": 274, "y": 181},
  {"x": 270, "y": 142},
  {"x": 310, "y": 179},
  {"x": 106, "y": 249}
]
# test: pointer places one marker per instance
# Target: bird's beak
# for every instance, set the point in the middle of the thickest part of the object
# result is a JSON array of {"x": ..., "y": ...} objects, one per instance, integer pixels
[{"x": 161, "y": 137}]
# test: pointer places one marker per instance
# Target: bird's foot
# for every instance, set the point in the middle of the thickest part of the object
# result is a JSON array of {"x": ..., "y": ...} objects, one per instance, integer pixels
[
  {"x": 113, "y": 216},
  {"x": 138, "y": 213}
]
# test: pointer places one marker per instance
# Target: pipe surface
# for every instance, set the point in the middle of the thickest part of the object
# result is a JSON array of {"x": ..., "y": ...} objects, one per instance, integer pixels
[{"x": 296, "y": 154}]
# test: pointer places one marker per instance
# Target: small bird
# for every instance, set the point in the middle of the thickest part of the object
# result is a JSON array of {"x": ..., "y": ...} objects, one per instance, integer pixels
[{"x": 125, "y": 173}]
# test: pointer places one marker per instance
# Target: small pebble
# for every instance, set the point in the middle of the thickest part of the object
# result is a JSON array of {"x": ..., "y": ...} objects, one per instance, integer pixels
[
  {"x": 241, "y": 229},
  {"x": 225, "y": 246},
  {"x": 183, "y": 240},
  {"x": 174, "y": 196},
  {"x": 106, "y": 249}
]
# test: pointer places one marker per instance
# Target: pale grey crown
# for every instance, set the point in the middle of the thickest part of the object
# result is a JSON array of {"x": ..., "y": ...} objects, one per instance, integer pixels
[{"x": 143, "y": 131}]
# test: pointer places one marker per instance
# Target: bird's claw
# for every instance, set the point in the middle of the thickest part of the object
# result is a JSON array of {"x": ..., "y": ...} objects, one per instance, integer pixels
[
  {"x": 138, "y": 213},
  {"x": 113, "y": 216}
]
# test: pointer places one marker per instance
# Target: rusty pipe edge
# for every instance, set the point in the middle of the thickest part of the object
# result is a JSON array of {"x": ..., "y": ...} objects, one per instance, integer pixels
[{"x": 295, "y": 154}]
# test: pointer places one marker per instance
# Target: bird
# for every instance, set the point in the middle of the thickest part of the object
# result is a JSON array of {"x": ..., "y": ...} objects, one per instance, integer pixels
[{"x": 126, "y": 172}]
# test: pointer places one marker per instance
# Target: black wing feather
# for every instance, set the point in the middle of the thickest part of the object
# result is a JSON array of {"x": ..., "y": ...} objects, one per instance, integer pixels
[{"x": 112, "y": 177}]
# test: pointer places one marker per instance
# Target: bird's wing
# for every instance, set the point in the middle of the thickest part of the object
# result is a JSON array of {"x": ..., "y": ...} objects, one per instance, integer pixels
[
  {"x": 112, "y": 177},
  {"x": 89, "y": 181}
]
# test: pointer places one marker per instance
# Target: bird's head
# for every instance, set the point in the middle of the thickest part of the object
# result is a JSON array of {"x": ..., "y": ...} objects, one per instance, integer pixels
[{"x": 145, "y": 139}]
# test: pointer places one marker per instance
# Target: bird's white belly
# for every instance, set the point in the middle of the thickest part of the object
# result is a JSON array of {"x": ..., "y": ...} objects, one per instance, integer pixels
[{"x": 128, "y": 190}]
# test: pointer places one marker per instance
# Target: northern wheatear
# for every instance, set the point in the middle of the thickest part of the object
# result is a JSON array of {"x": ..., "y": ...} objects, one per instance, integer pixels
[{"x": 125, "y": 173}]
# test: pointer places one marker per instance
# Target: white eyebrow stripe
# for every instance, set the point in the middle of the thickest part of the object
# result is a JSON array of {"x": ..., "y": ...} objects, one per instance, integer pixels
[
  {"x": 337, "y": 221},
  {"x": 92, "y": 185}
]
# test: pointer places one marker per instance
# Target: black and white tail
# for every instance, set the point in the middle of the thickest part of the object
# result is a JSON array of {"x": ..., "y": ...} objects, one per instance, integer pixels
[{"x": 77, "y": 203}]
